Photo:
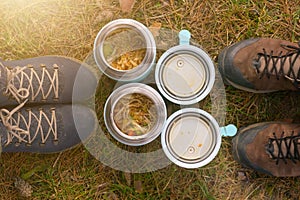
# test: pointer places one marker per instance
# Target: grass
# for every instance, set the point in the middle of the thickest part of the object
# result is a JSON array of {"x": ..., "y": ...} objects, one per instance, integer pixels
[{"x": 32, "y": 28}]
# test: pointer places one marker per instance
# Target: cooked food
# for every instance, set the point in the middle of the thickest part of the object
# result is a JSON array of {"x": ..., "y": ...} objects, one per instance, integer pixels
[
  {"x": 129, "y": 60},
  {"x": 124, "y": 49},
  {"x": 135, "y": 114}
]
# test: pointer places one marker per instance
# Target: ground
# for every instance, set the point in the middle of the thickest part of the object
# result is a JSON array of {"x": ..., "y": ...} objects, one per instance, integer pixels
[{"x": 32, "y": 28}]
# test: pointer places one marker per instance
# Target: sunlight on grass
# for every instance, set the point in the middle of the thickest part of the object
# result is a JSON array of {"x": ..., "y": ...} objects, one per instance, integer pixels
[{"x": 32, "y": 28}]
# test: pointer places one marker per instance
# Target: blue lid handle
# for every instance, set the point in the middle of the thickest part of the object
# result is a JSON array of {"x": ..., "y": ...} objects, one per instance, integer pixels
[
  {"x": 184, "y": 37},
  {"x": 229, "y": 130}
]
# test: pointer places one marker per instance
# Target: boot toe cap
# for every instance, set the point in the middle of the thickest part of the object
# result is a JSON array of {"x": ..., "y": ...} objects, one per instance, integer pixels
[{"x": 232, "y": 74}]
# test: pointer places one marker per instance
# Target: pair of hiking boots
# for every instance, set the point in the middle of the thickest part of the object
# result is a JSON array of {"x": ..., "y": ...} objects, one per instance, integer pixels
[
  {"x": 265, "y": 65},
  {"x": 38, "y": 108}
]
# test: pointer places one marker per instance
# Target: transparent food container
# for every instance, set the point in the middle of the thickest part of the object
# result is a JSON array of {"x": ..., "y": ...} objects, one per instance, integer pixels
[
  {"x": 135, "y": 114},
  {"x": 125, "y": 50}
]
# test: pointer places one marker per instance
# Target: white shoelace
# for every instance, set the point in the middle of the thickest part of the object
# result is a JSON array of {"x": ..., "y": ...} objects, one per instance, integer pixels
[
  {"x": 22, "y": 94},
  {"x": 18, "y": 75},
  {"x": 12, "y": 123}
]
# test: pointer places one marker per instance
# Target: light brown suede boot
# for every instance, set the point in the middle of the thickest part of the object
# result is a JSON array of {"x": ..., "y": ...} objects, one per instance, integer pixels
[
  {"x": 272, "y": 148},
  {"x": 261, "y": 65}
]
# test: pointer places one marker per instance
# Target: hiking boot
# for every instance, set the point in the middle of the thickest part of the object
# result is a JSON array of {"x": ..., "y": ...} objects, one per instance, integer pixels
[
  {"x": 46, "y": 128},
  {"x": 261, "y": 65},
  {"x": 47, "y": 79},
  {"x": 272, "y": 148}
]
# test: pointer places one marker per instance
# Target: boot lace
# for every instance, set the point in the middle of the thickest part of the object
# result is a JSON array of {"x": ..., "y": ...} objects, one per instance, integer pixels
[
  {"x": 22, "y": 84},
  {"x": 273, "y": 61},
  {"x": 26, "y": 128},
  {"x": 287, "y": 148}
]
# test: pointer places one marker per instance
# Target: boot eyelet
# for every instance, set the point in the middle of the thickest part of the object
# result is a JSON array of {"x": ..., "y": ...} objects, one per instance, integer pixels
[
  {"x": 55, "y": 142},
  {"x": 42, "y": 144},
  {"x": 28, "y": 144}
]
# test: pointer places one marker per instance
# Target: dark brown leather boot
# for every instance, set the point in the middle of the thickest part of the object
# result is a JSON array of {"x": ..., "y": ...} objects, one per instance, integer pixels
[
  {"x": 261, "y": 65},
  {"x": 272, "y": 148},
  {"x": 45, "y": 79},
  {"x": 45, "y": 128}
]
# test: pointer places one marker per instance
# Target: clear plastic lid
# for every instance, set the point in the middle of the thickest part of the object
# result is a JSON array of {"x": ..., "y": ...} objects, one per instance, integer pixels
[
  {"x": 191, "y": 138},
  {"x": 184, "y": 75}
]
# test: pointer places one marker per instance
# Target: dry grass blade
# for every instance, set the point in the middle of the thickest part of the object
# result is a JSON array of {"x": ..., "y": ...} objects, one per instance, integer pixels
[{"x": 32, "y": 28}]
